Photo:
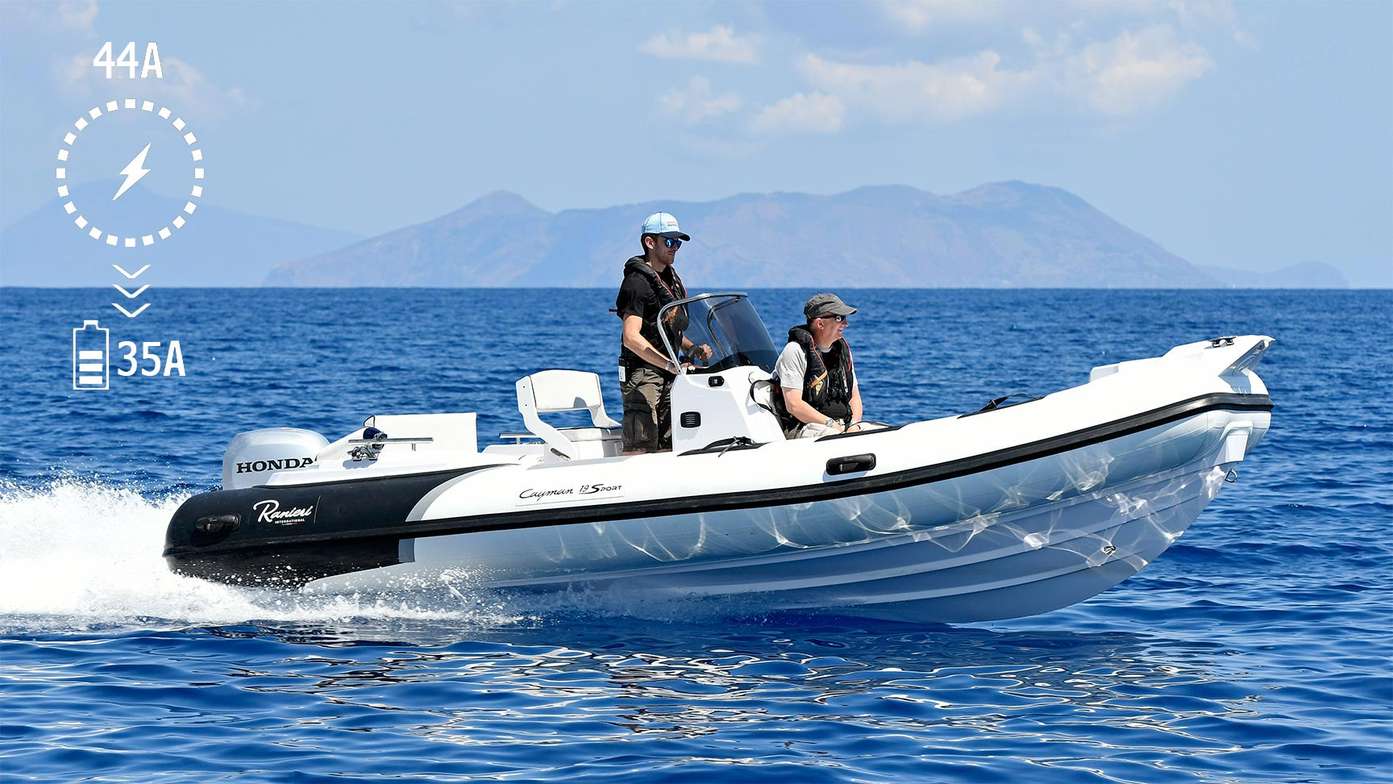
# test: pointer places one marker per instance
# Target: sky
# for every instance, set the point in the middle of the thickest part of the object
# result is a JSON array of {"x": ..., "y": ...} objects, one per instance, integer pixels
[{"x": 1246, "y": 135}]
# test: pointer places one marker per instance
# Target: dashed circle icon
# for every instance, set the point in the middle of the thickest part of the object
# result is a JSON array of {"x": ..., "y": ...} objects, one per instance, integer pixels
[{"x": 175, "y": 223}]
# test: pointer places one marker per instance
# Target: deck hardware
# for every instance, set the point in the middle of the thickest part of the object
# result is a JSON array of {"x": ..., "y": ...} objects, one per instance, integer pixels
[{"x": 850, "y": 464}]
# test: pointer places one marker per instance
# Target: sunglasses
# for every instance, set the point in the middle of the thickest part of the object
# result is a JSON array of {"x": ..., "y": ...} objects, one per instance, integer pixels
[
  {"x": 835, "y": 317},
  {"x": 672, "y": 242}
]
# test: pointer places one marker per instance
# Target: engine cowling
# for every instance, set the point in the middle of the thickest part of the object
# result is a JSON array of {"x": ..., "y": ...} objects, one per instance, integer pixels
[{"x": 253, "y": 456}]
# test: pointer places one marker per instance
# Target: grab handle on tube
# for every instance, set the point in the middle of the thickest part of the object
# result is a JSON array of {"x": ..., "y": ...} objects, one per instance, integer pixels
[{"x": 850, "y": 464}]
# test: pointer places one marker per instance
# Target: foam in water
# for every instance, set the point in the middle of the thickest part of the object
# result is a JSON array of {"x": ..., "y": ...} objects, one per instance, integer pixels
[{"x": 77, "y": 553}]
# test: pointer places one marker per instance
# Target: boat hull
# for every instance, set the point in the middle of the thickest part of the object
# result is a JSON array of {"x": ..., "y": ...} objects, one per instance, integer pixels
[{"x": 1004, "y": 542}]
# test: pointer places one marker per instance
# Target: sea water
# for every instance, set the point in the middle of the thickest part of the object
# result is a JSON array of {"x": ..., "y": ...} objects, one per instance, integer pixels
[{"x": 1255, "y": 649}]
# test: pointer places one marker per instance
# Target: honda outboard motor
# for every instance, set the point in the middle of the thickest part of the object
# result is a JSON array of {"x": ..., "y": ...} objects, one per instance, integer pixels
[{"x": 253, "y": 456}]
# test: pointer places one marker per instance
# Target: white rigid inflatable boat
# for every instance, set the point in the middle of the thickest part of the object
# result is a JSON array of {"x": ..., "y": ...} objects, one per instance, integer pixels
[{"x": 1010, "y": 511}]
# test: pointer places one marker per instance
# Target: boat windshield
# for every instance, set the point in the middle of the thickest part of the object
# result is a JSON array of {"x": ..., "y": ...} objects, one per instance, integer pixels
[{"x": 728, "y": 323}]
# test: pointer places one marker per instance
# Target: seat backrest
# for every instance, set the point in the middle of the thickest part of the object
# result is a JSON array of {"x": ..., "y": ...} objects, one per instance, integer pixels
[{"x": 552, "y": 391}]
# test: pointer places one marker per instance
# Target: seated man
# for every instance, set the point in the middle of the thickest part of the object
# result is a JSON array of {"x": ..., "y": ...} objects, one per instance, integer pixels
[{"x": 815, "y": 373}]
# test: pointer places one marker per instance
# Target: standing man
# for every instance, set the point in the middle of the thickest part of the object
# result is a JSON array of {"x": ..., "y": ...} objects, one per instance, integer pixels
[
  {"x": 645, "y": 372},
  {"x": 816, "y": 375}
]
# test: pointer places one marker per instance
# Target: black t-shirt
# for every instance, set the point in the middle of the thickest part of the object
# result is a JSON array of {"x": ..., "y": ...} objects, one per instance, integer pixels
[{"x": 637, "y": 298}]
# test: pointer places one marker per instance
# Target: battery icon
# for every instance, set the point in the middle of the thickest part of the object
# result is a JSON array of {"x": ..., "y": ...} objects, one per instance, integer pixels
[{"x": 91, "y": 347}]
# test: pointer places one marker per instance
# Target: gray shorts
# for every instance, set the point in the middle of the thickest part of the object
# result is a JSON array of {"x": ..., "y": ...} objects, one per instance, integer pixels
[{"x": 647, "y": 412}]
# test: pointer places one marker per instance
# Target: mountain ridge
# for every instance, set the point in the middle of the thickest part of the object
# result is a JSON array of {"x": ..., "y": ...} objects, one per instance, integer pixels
[
  {"x": 218, "y": 246},
  {"x": 1003, "y": 234},
  {"x": 1009, "y": 234}
]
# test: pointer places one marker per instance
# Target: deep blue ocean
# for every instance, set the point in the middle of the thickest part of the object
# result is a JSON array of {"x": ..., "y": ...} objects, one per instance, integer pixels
[{"x": 1257, "y": 649}]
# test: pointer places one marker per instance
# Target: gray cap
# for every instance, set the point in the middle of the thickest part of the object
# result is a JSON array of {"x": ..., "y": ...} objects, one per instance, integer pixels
[{"x": 826, "y": 305}]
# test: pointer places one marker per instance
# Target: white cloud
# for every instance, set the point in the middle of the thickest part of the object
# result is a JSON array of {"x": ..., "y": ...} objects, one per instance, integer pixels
[
  {"x": 1110, "y": 58},
  {"x": 1135, "y": 70},
  {"x": 1213, "y": 14},
  {"x": 802, "y": 113},
  {"x": 1118, "y": 7},
  {"x": 720, "y": 44},
  {"x": 67, "y": 16},
  {"x": 695, "y": 102},
  {"x": 1205, "y": 13},
  {"x": 79, "y": 15},
  {"x": 1124, "y": 75},
  {"x": 184, "y": 87},
  {"x": 916, "y": 15},
  {"x": 938, "y": 92}
]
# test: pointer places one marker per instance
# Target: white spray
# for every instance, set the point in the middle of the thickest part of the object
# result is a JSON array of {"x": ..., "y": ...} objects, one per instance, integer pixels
[{"x": 76, "y": 554}]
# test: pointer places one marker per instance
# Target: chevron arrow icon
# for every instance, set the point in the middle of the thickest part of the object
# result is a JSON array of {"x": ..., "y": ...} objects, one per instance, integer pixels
[
  {"x": 131, "y": 275},
  {"x": 130, "y": 314},
  {"x": 130, "y": 294}
]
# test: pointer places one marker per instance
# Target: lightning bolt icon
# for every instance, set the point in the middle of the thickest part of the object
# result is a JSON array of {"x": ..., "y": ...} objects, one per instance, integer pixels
[{"x": 133, "y": 171}]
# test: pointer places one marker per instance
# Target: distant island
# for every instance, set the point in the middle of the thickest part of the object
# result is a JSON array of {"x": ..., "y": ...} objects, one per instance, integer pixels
[{"x": 1000, "y": 235}]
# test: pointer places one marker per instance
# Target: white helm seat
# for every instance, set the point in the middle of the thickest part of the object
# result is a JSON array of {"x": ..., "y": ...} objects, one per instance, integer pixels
[{"x": 557, "y": 391}]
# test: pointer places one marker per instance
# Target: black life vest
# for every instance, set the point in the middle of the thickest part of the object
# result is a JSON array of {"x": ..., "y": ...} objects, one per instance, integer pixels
[
  {"x": 667, "y": 291},
  {"x": 827, "y": 384}
]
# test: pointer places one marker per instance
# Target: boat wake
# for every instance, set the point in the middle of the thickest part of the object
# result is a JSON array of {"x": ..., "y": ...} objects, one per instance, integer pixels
[{"x": 79, "y": 554}]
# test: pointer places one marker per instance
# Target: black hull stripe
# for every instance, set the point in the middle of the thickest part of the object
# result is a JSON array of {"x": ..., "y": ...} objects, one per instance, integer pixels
[{"x": 778, "y": 497}]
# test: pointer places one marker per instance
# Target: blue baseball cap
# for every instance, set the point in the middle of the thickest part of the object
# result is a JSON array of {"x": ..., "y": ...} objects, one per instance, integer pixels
[{"x": 664, "y": 225}]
